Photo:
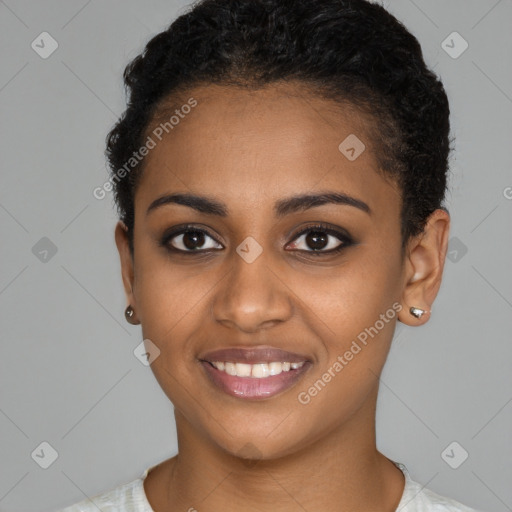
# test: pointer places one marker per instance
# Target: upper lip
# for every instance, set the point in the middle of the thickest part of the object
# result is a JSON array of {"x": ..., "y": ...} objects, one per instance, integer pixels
[{"x": 261, "y": 354}]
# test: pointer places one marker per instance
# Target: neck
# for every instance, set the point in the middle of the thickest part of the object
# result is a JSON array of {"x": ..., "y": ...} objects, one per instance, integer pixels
[{"x": 340, "y": 471}]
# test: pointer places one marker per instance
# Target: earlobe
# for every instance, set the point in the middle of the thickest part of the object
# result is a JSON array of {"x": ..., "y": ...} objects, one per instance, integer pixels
[
  {"x": 418, "y": 312},
  {"x": 127, "y": 270},
  {"x": 129, "y": 314},
  {"x": 423, "y": 270},
  {"x": 422, "y": 315}
]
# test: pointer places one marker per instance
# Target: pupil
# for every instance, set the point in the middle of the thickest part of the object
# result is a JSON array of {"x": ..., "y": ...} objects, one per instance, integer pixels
[
  {"x": 316, "y": 239},
  {"x": 193, "y": 237}
]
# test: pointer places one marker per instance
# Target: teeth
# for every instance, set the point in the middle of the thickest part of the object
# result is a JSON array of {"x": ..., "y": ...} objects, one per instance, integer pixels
[
  {"x": 258, "y": 371},
  {"x": 243, "y": 370},
  {"x": 275, "y": 368},
  {"x": 230, "y": 368}
]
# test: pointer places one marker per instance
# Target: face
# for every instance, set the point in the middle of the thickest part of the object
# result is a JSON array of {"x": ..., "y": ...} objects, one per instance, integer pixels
[{"x": 252, "y": 268}]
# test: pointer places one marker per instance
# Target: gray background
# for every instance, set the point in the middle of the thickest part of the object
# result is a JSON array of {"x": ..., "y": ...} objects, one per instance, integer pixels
[{"x": 68, "y": 375}]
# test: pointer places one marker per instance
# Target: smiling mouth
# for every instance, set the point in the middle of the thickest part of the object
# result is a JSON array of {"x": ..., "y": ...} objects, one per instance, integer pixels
[
  {"x": 265, "y": 380},
  {"x": 258, "y": 370}
]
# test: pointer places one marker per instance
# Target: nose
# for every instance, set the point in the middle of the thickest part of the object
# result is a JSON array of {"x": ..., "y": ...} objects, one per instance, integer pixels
[{"x": 253, "y": 296}]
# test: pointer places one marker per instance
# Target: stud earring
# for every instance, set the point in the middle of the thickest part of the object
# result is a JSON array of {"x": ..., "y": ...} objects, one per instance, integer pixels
[
  {"x": 417, "y": 312},
  {"x": 129, "y": 315}
]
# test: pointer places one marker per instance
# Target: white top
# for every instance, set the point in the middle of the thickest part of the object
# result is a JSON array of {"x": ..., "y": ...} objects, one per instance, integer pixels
[{"x": 130, "y": 497}]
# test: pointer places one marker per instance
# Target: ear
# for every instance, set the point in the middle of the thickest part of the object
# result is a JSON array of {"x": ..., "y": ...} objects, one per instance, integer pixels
[
  {"x": 126, "y": 259},
  {"x": 424, "y": 262}
]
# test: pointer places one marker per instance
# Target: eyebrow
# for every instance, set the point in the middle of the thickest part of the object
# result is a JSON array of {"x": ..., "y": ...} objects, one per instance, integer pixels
[{"x": 297, "y": 203}]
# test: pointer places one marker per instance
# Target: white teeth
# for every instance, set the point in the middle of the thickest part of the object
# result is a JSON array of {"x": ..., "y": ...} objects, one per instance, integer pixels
[
  {"x": 275, "y": 368},
  {"x": 230, "y": 368},
  {"x": 243, "y": 370},
  {"x": 258, "y": 371}
]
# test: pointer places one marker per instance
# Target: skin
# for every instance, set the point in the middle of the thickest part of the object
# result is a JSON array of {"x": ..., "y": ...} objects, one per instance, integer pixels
[{"x": 249, "y": 150}]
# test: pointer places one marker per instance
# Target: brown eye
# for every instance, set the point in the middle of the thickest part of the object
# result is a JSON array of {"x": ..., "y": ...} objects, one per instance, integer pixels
[
  {"x": 190, "y": 240},
  {"x": 321, "y": 240},
  {"x": 317, "y": 240}
]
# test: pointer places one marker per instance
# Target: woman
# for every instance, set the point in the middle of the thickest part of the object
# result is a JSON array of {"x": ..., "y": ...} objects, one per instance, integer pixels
[{"x": 279, "y": 173}]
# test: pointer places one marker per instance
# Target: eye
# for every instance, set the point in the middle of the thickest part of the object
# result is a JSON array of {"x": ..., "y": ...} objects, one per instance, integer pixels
[
  {"x": 189, "y": 239},
  {"x": 321, "y": 239}
]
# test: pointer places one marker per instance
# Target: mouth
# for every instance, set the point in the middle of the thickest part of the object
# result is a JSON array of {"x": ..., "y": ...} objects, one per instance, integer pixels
[{"x": 254, "y": 373}]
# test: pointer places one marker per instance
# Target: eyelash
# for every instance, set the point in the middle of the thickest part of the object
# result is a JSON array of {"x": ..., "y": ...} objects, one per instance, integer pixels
[{"x": 345, "y": 240}]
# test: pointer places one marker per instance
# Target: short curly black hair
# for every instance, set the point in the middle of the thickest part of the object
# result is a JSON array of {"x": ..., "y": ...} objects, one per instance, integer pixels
[{"x": 350, "y": 51}]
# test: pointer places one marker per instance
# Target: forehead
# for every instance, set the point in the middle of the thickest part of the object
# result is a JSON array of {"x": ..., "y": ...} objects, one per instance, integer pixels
[{"x": 251, "y": 145}]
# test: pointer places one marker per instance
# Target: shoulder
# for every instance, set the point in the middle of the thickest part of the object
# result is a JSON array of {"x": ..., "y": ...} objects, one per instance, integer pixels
[
  {"x": 127, "y": 497},
  {"x": 417, "y": 498}
]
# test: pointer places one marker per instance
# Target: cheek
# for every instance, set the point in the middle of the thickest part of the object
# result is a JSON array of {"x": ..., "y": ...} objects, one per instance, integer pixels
[
  {"x": 173, "y": 303},
  {"x": 170, "y": 308},
  {"x": 355, "y": 317},
  {"x": 164, "y": 292},
  {"x": 352, "y": 296},
  {"x": 169, "y": 303}
]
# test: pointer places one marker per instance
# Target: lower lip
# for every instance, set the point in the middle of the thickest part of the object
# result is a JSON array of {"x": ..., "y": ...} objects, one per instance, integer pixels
[{"x": 253, "y": 388}]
